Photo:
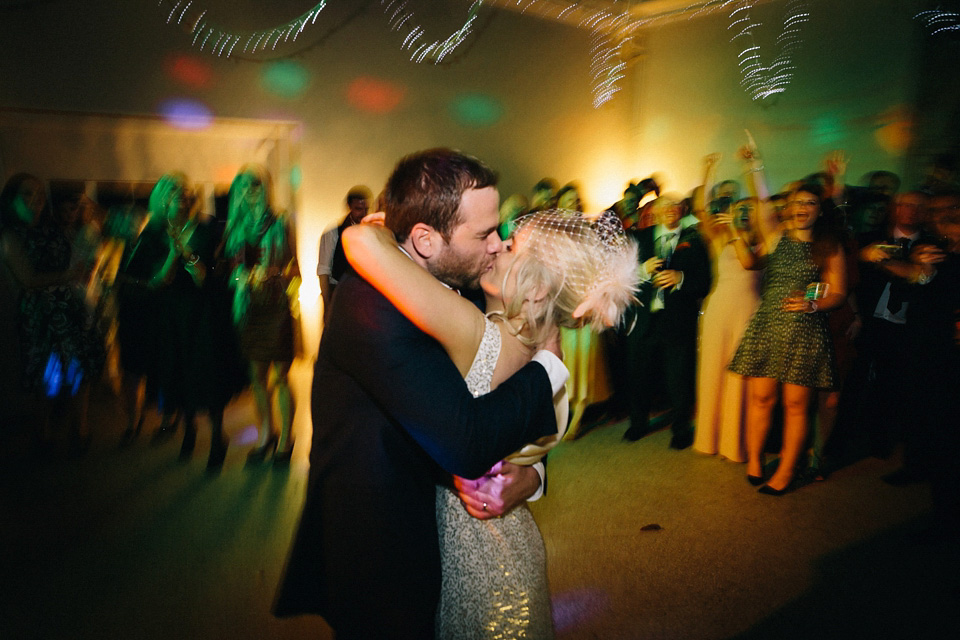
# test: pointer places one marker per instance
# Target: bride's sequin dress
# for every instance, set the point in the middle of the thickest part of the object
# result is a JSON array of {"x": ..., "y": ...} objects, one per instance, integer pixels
[{"x": 494, "y": 571}]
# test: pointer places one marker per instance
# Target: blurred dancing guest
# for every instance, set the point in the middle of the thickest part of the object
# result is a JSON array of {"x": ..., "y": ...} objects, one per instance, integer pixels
[
  {"x": 787, "y": 344},
  {"x": 544, "y": 195},
  {"x": 560, "y": 270},
  {"x": 198, "y": 366},
  {"x": 144, "y": 251},
  {"x": 568, "y": 198},
  {"x": 722, "y": 394},
  {"x": 934, "y": 336},
  {"x": 261, "y": 245},
  {"x": 62, "y": 351},
  {"x": 393, "y": 418},
  {"x": 331, "y": 263}
]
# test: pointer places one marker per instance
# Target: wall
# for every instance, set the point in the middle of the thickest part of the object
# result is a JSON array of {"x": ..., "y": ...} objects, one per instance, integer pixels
[
  {"x": 853, "y": 87},
  {"x": 119, "y": 56},
  {"x": 363, "y": 104}
]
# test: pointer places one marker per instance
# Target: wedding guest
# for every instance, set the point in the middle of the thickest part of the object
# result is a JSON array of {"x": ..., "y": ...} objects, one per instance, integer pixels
[
  {"x": 331, "y": 263},
  {"x": 722, "y": 394},
  {"x": 261, "y": 246},
  {"x": 675, "y": 272},
  {"x": 787, "y": 346},
  {"x": 198, "y": 367},
  {"x": 62, "y": 351}
]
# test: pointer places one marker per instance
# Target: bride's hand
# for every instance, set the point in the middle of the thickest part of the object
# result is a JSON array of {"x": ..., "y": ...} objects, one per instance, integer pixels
[
  {"x": 504, "y": 487},
  {"x": 378, "y": 218}
]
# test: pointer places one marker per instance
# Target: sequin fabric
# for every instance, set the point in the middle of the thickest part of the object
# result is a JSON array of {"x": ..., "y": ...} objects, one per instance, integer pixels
[
  {"x": 494, "y": 571},
  {"x": 791, "y": 347}
]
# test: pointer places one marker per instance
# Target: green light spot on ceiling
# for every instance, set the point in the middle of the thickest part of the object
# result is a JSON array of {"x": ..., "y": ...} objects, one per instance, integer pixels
[
  {"x": 286, "y": 79},
  {"x": 828, "y": 129},
  {"x": 476, "y": 110},
  {"x": 296, "y": 177}
]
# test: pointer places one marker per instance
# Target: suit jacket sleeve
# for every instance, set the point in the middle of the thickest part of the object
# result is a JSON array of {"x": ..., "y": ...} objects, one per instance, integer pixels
[
  {"x": 694, "y": 261},
  {"x": 411, "y": 378}
]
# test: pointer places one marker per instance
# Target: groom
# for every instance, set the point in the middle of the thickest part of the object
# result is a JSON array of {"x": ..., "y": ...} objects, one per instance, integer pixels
[{"x": 392, "y": 418}]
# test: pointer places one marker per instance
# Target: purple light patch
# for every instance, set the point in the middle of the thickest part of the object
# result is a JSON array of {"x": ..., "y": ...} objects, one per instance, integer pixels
[
  {"x": 247, "y": 435},
  {"x": 572, "y": 609},
  {"x": 184, "y": 113}
]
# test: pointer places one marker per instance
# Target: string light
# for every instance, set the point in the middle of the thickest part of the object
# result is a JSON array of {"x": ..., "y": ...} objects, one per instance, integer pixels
[
  {"x": 225, "y": 40},
  {"x": 609, "y": 28},
  {"x": 401, "y": 17},
  {"x": 939, "y": 21},
  {"x": 761, "y": 81}
]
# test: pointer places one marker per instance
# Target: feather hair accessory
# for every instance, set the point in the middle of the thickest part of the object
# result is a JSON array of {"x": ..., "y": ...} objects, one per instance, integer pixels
[{"x": 595, "y": 265}]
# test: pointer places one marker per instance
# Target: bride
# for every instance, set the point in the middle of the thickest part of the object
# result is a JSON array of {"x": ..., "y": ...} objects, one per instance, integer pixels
[{"x": 558, "y": 269}]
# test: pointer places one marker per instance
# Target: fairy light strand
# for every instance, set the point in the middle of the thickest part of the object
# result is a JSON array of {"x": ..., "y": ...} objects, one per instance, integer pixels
[
  {"x": 938, "y": 21},
  {"x": 227, "y": 39},
  {"x": 609, "y": 28},
  {"x": 758, "y": 80}
]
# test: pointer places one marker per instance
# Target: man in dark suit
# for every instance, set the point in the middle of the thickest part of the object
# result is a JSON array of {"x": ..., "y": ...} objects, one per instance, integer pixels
[
  {"x": 393, "y": 418},
  {"x": 879, "y": 392},
  {"x": 663, "y": 342}
]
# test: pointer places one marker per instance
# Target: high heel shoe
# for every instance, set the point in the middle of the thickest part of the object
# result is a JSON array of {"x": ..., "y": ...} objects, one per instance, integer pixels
[
  {"x": 189, "y": 441},
  {"x": 756, "y": 481},
  {"x": 282, "y": 458},
  {"x": 218, "y": 453},
  {"x": 767, "y": 490},
  {"x": 259, "y": 454}
]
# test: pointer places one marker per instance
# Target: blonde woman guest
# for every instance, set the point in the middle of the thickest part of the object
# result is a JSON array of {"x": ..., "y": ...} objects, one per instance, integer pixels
[{"x": 261, "y": 246}]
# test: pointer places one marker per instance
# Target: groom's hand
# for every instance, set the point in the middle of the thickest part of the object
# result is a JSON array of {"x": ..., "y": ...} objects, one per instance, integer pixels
[{"x": 497, "y": 493}]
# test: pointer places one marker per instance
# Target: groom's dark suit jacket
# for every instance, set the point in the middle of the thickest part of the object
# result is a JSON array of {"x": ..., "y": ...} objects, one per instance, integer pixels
[{"x": 392, "y": 417}]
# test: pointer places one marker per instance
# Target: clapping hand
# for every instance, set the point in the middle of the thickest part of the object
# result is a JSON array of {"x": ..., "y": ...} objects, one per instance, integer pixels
[
  {"x": 667, "y": 278},
  {"x": 652, "y": 265}
]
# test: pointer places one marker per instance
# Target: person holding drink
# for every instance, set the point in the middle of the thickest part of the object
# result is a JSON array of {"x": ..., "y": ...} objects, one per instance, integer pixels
[{"x": 787, "y": 344}]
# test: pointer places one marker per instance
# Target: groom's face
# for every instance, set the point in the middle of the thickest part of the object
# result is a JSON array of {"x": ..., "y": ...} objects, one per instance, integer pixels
[{"x": 474, "y": 243}]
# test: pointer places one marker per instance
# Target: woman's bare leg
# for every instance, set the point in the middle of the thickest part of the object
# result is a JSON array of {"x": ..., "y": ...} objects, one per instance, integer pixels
[
  {"x": 762, "y": 395},
  {"x": 285, "y": 403},
  {"x": 796, "y": 403},
  {"x": 259, "y": 385}
]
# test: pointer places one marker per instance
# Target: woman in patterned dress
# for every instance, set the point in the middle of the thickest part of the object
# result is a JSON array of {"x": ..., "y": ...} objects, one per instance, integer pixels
[
  {"x": 62, "y": 350},
  {"x": 787, "y": 343},
  {"x": 557, "y": 270}
]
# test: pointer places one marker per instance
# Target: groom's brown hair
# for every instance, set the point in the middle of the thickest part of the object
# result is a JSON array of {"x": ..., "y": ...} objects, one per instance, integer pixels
[{"x": 427, "y": 187}]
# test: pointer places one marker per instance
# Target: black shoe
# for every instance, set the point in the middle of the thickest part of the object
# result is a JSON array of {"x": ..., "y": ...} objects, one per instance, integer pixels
[
  {"x": 282, "y": 458},
  {"x": 594, "y": 416},
  {"x": 904, "y": 476},
  {"x": 681, "y": 440},
  {"x": 259, "y": 454},
  {"x": 770, "y": 491},
  {"x": 218, "y": 453},
  {"x": 636, "y": 431},
  {"x": 164, "y": 432},
  {"x": 755, "y": 481},
  {"x": 129, "y": 435},
  {"x": 189, "y": 442}
]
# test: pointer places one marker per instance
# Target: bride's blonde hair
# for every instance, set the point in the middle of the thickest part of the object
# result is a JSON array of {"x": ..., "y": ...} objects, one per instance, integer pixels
[{"x": 571, "y": 271}]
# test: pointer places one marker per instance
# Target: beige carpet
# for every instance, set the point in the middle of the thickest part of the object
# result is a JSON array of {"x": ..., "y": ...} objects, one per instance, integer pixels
[{"x": 129, "y": 543}]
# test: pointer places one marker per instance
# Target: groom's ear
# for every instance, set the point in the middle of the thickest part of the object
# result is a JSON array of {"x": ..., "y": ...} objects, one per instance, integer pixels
[{"x": 426, "y": 241}]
